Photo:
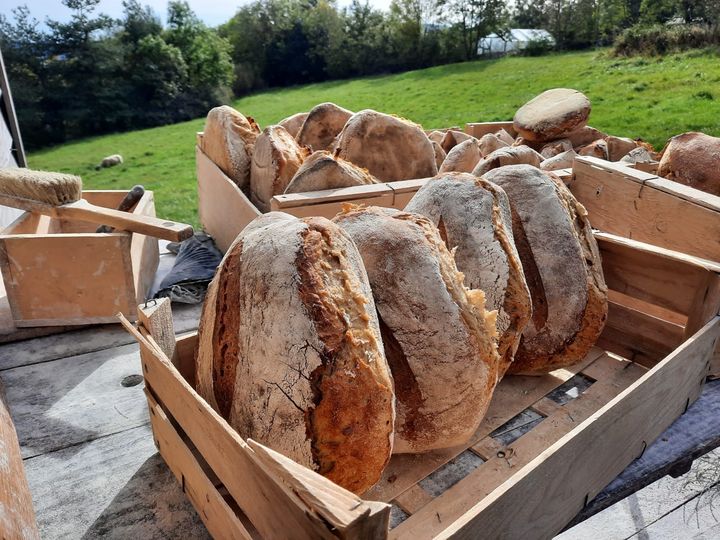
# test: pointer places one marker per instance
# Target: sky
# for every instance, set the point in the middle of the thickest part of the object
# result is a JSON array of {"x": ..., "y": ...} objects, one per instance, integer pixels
[{"x": 212, "y": 12}]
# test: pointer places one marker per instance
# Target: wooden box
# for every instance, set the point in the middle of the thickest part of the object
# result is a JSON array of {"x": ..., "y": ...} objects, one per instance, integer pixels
[
  {"x": 59, "y": 272},
  {"x": 547, "y": 446}
]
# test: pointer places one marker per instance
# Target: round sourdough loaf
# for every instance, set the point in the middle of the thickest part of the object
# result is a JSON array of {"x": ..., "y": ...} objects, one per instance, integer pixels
[
  {"x": 440, "y": 154},
  {"x": 387, "y": 146},
  {"x": 438, "y": 338},
  {"x": 463, "y": 157},
  {"x": 228, "y": 140},
  {"x": 322, "y": 125},
  {"x": 562, "y": 268},
  {"x": 322, "y": 170},
  {"x": 693, "y": 159},
  {"x": 510, "y": 155},
  {"x": 293, "y": 123},
  {"x": 473, "y": 217},
  {"x": 551, "y": 114},
  {"x": 276, "y": 159},
  {"x": 290, "y": 350}
]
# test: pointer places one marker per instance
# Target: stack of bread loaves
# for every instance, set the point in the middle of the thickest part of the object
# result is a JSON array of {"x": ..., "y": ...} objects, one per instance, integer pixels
[{"x": 340, "y": 342}]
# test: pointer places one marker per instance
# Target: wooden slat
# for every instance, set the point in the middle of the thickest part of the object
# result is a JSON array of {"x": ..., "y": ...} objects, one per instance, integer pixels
[
  {"x": 705, "y": 305},
  {"x": 512, "y": 395},
  {"x": 223, "y": 207},
  {"x": 640, "y": 206},
  {"x": 144, "y": 251},
  {"x": 17, "y": 517},
  {"x": 185, "y": 353},
  {"x": 655, "y": 275},
  {"x": 156, "y": 317},
  {"x": 413, "y": 499},
  {"x": 556, "y": 484},
  {"x": 269, "y": 506},
  {"x": 612, "y": 375},
  {"x": 220, "y": 520}
]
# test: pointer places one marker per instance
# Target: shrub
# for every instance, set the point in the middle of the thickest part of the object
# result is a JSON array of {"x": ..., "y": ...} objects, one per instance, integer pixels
[
  {"x": 659, "y": 39},
  {"x": 537, "y": 47}
]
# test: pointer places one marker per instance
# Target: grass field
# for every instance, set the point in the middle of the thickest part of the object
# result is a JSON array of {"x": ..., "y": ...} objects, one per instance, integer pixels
[{"x": 652, "y": 98}]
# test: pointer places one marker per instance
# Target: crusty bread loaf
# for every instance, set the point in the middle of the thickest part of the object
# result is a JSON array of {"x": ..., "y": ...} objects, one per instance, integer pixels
[
  {"x": 390, "y": 148},
  {"x": 566, "y": 160},
  {"x": 490, "y": 142},
  {"x": 562, "y": 268},
  {"x": 511, "y": 155},
  {"x": 473, "y": 216},
  {"x": 322, "y": 125},
  {"x": 598, "y": 149},
  {"x": 556, "y": 147},
  {"x": 551, "y": 114},
  {"x": 452, "y": 138},
  {"x": 619, "y": 147},
  {"x": 584, "y": 136},
  {"x": 276, "y": 159},
  {"x": 293, "y": 123},
  {"x": 440, "y": 154},
  {"x": 438, "y": 338},
  {"x": 228, "y": 140},
  {"x": 463, "y": 157},
  {"x": 436, "y": 136},
  {"x": 693, "y": 159},
  {"x": 290, "y": 351},
  {"x": 322, "y": 170}
]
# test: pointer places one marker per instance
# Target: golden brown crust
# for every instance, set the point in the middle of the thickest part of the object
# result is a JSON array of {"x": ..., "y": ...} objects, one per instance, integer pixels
[{"x": 693, "y": 159}]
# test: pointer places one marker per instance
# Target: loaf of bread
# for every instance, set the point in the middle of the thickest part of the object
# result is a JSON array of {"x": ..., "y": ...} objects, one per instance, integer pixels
[
  {"x": 473, "y": 217},
  {"x": 463, "y": 157},
  {"x": 290, "y": 351},
  {"x": 490, "y": 142},
  {"x": 322, "y": 125},
  {"x": 440, "y": 154},
  {"x": 552, "y": 114},
  {"x": 292, "y": 124},
  {"x": 229, "y": 140},
  {"x": 389, "y": 147},
  {"x": 452, "y": 138},
  {"x": 322, "y": 170},
  {"x": 438, "y": 338},
  {"x": 276, "y": 159},
  {"x": 511, "y": 155},
  {"x": 562, "y": 267},
  {"x": 693, "y": 159}
]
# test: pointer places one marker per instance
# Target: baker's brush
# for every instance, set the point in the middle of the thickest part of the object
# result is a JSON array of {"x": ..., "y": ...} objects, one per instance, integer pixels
[{"x": 60, "y": 196}]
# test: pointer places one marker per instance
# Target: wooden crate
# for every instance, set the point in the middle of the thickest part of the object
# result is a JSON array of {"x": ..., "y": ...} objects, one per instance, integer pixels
[
  {"x": 578, "y": 427},
  {"x": 58, "y": 272},
  {"x": 225, "y": 210}
]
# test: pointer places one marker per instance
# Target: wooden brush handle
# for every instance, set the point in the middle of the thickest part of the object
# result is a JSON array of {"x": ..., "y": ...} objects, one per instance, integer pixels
[
  {"x": 159, "y": 228},
  {"x": 128, "y": 203}
]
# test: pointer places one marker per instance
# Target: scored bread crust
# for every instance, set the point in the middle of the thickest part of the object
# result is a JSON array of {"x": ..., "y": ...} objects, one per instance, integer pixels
[
  {"x": 322, "y": 170},
  {"x": 322, "y": 125},
  {"x": 510, "y": 155},
  {"x": 276, "y": 159},
  {"x": 562, "y": 268},
  {"x": 438, "y": 338},
  {"x": 229, "y": 140},
  {"x": 390, "y": 148},
  {"x": 473, "y": 217},
  {"x": 290, "y": 350}
]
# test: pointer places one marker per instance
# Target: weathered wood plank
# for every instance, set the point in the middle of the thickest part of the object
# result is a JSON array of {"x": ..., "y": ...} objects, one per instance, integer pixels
[
  {"x": 114, "y": 487},
  {"x": 76, "y": 399}
]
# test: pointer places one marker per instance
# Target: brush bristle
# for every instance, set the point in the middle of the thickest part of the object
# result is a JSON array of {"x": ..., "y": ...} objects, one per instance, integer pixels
[{"x": 46, "y": 187}]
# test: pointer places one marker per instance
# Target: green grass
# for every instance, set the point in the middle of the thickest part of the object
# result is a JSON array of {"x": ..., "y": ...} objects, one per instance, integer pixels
[{"x": 652, "y": 98}]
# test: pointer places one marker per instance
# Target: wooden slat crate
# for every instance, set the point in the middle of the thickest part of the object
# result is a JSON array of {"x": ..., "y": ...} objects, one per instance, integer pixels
[
  {"x": 547, "y": 446},
  {"x": 58, "y": 272}
]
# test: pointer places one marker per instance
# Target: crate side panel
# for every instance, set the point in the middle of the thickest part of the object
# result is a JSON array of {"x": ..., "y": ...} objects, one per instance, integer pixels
[
  {"x": 548, "y": 492},
  {"x": 224, "y": 209}
]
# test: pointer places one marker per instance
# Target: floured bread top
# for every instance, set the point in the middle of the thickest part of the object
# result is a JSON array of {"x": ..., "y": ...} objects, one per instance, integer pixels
[
  {"x": 439, "y": 338},
  {"x": 229, "y": 140},
  {"x": 473, "y": 218},
  {"x": 322, "y": 170},
  {"x": 511, "y": 155},
  {"x": 290, "y": 350},
  {"x": 388, "y": 147},
  {"x": 322, "y": 125}
]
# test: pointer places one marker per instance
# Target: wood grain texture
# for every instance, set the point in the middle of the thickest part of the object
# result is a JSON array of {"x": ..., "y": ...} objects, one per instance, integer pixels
[
  {"x": 224, "y": 209},
  {"x": 114, "y": 487},
  {"x": 17, "y": 517},
  {"x": 619, "y": 432}
]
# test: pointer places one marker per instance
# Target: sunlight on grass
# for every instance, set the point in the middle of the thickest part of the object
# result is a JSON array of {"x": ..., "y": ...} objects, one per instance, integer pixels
[{"x": 637, "y": 97}]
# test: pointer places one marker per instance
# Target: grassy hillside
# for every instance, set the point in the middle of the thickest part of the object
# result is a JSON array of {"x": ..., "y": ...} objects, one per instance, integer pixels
[{"x": 649, "y": 98}]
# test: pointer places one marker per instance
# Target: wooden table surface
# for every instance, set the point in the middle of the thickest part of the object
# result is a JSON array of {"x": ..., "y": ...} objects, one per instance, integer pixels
[{"x": 81, "y": 417}]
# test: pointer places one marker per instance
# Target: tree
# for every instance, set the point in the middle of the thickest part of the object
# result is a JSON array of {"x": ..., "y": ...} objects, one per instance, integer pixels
[
  {"x": 474, "y": 19},
  {"x": 139, "y": 22}
]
